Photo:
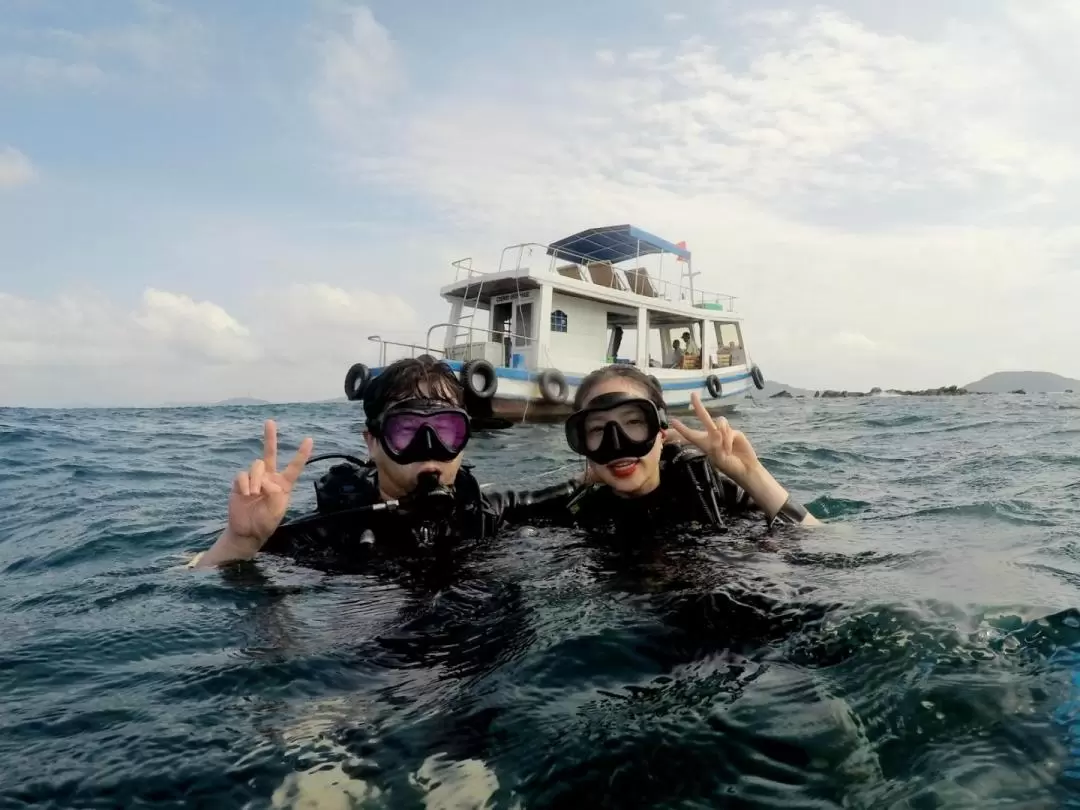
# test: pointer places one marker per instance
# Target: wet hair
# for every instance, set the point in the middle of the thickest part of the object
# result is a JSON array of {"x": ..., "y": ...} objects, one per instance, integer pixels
[
  {"x": 422, "y": 377},
  {"x": 645, "y": 381}
]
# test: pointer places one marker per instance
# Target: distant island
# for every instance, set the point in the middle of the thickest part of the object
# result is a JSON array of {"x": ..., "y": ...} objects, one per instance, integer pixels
[
  {"x": 1001, "y": 382},
  {"x": 242, "y": 401},
  {"x": 223, "y": 402},
  {"x": 1032, "y": 382}
]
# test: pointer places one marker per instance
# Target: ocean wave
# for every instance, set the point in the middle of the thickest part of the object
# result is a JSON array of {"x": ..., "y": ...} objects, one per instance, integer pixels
[
  {"x": 1016, "y": 512},
  {"x": 898, "y": 420}
]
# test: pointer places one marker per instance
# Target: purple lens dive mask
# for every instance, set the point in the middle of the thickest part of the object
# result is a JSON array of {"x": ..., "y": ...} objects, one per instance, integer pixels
[
  {"x": 422, "y": 430},
  {"x": 451, "y": 429}
]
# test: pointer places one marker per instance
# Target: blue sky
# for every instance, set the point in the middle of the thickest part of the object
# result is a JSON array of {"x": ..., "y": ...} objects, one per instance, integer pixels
[{"x": 200, "y": 200}]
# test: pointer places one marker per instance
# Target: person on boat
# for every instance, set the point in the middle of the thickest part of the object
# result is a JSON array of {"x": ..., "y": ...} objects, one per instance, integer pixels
[
  {"x": 691, "y": 345},
  {"x": 413, "y": 493},
  {"x": 645, "y": 481},
  {"x": 676, "y": 354}
]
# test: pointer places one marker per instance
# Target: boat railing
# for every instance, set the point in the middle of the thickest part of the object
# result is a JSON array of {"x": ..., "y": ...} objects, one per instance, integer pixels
[
  {"x": 413, "y": 349},
  {"x": 650, "y": 286},
  {"x": 464, "y": 270},
  {"x": 476, "y": 342},
  {"x": 463, "y": 339}
]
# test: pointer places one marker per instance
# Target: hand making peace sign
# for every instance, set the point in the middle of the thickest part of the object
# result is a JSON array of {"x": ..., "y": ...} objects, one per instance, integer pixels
[
  {"x": 728, "y": 449},
  {"x": 261, "y": 494}
]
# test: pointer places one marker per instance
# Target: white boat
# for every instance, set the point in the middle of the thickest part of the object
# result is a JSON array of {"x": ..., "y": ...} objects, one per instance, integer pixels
[{"x": 550, "y": 314}]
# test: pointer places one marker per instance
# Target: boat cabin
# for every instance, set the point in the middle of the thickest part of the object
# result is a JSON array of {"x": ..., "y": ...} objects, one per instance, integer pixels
[{"x": 590, "y": 299}]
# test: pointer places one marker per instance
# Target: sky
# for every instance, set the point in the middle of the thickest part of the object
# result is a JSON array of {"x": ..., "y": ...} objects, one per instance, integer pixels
[{"x": 201, "y": 200}]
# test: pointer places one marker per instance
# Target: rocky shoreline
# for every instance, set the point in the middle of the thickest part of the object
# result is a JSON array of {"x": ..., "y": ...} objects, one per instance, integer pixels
[{"x": 944, "y": 391}]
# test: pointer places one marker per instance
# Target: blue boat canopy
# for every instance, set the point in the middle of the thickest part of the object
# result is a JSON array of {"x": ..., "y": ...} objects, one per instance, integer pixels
[{"x": 614, "y": 244}]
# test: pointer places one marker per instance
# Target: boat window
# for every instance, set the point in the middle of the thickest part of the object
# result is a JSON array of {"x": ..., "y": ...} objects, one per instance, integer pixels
[
  {"x": 558, "y": 321},
  {"x": 727, "y": 334},
  {"x": 729, "y": 345},
  {"x": 674, "y": 342}
]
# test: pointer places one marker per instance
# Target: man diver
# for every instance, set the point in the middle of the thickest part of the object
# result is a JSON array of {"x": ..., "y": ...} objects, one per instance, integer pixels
[{"x": 413, "y": 493}]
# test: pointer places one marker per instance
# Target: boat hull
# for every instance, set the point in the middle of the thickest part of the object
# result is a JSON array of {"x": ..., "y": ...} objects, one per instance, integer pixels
[{"x": 517, "y": 398}]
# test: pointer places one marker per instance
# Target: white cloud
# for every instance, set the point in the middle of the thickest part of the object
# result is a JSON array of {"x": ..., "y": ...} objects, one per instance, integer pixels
[
  {"x": 82, "y": 348},
  {"x": 334, "y": 307},
  {"x": 30, "y": 70},
  {"x": 198, "y": 328},
  {"x": 825, "y": 114},
  {"x": 85, "y": 329},
  {"x": 674, "y": 17},
  {"x": 771, "y": 18},
  {"x": 15, "y": 168},
  {"x": 158, "y": 43},
  {"x": 333, "y": 324},
  {"x": 358, "y": 66},
  {"x": 853, "y": 340}
]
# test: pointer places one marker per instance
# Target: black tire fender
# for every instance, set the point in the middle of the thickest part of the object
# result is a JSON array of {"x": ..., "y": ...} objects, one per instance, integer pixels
[
  {"x": 356, "y": 380},
  {"x": 553, "y": 386},
  {"x": 488, "y": 382},
  {"x": 757, "y": 377},
  {"x": 712, "y": 382}
]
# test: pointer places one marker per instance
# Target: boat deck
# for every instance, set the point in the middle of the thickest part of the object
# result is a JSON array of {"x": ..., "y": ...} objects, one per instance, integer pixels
[{"x": 596, "y": 263}]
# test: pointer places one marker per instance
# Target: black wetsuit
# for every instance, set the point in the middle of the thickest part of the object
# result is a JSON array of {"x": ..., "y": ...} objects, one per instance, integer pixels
[
  {"x": 340, "y": 530},
  {"x": 692, "y": 494}
]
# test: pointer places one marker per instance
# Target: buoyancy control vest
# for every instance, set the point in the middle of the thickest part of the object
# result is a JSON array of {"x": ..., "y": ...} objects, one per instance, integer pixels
[
  {"x": 351, "y": 518},
  {"x": 691, "y": 492}
]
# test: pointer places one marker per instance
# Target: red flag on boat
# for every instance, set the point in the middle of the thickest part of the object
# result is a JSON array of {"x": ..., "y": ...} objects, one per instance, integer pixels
[{"x": 681, "y": 245}]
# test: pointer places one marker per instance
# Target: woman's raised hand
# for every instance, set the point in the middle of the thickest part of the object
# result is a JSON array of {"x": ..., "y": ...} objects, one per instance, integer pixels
[
  {"x": 260, "y": 495},
  {"x": 728, "y": 449}
]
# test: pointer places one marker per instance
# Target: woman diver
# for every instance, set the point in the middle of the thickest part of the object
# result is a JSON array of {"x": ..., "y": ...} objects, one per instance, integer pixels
[{"x": 642, "y": 482}]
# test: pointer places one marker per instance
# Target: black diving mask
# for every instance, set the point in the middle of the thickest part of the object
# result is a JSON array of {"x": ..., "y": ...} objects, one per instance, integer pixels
[
  {"x": 615, "y": 426},
  {"x": 416, "y": 430}
]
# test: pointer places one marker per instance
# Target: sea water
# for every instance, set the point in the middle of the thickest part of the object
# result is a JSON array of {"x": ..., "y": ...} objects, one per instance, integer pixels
[{"x": 919, "y": 651}]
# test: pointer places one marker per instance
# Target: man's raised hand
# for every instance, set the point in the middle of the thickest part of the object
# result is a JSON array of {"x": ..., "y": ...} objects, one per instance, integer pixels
[{"x": 260, "y": 495}]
